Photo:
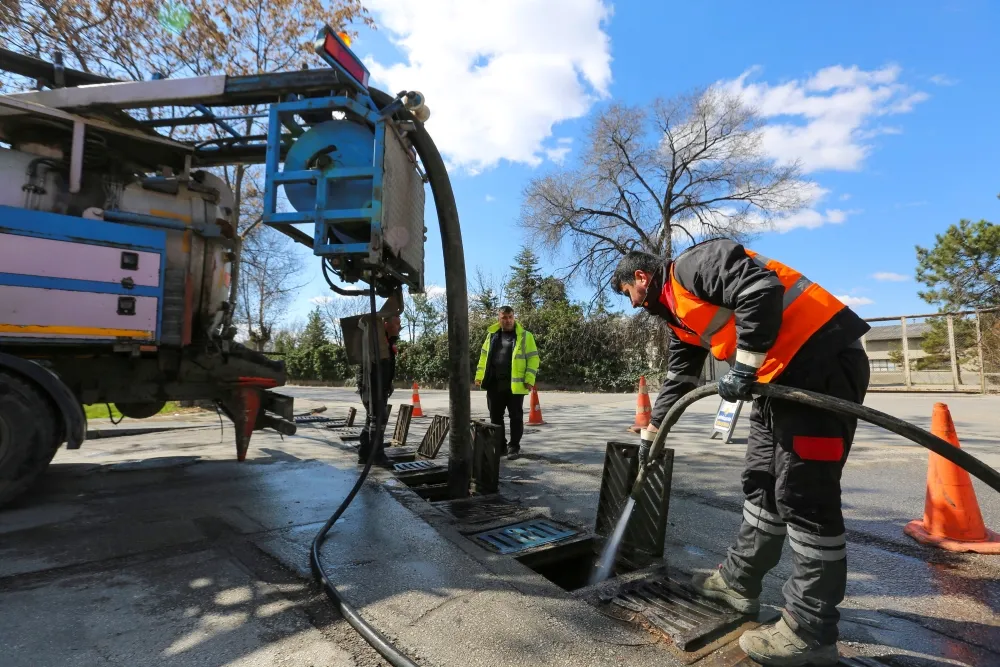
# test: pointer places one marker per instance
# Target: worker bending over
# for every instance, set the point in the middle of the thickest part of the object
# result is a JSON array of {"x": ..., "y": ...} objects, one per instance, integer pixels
[{"x": 772, "y": 325}]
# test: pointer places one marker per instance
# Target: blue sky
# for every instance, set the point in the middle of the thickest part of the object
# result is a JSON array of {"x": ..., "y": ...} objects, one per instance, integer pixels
[{"x": 900, "y": 136}]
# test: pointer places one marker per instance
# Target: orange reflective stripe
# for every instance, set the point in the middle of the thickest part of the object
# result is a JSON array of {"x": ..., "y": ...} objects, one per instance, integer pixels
[{"x": 806, "y": 308}]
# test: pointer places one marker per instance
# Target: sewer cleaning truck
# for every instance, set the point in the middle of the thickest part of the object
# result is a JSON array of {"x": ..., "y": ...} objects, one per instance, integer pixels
[{"x": 119, "y": 243}]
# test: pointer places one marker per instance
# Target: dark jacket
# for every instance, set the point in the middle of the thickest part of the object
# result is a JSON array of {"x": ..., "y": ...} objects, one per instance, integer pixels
[{"x": 720, "y": 272}]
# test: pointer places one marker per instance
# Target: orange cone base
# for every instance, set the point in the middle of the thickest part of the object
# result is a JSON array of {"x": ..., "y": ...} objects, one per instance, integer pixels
[
  {"x": 916, "y": 530},
  {"x": 635, "y": 428}
]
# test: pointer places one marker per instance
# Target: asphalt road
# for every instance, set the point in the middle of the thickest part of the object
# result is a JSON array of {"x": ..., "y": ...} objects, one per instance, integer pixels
[
  {"x": 899, "y": 593},
  {"x": 160, "y": 549}
]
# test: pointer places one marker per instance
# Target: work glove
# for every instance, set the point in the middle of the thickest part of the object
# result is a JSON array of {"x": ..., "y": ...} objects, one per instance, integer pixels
[
  {"x": 645, "y": 442},
  {"x": 736, "y": 384}
]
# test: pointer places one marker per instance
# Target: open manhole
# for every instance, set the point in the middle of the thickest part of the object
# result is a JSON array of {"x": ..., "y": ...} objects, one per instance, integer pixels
[{"x": 561, "y": 554}]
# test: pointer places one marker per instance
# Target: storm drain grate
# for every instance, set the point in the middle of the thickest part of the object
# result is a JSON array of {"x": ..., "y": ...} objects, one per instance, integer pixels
[
  {"x": 347, "y": 432},
  {"x": 676, "y": 611},
  {"x": 411, "y": 466},
  {"x": 434, "y": 437},
  {"x": 481, "y": 509},
  {"x": 316, "y": 419},
  {"x": 523, "y": 536}
]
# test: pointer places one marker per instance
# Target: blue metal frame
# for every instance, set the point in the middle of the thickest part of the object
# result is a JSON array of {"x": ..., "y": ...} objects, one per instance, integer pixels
[
  {"x": 322, "y": 217},
  {"x": 41, "y": 224},
  {"x": 80, "y": 230},
  {"x": 74, "y": 285}
]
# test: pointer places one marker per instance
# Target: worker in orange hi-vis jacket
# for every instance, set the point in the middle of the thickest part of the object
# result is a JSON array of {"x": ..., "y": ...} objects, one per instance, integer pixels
[{"x": 771, "y": 324}]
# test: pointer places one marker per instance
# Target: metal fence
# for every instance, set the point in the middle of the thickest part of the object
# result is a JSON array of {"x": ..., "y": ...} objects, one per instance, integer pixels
[
  {"x": 941, "y": 352},
  {"x": 957, "y": 351}
]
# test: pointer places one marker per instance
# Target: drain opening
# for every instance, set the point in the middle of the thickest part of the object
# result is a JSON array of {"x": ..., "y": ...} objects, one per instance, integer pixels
[{"x": 570, "y": 565}]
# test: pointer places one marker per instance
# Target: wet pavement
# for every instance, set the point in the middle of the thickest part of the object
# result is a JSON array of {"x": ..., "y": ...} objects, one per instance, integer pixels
[{"x": 159, "y": 549}]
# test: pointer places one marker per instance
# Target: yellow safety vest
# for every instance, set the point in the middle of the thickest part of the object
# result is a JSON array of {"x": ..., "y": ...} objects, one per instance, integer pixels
[{"x": 524, "y": 362}]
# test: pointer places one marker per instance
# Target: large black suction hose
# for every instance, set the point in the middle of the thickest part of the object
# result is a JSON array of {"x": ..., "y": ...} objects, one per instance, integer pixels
[
  {"x": 460, "y": 451},
  {"x": 959, "y": 457},
  {"x": 457, "y": 297}
]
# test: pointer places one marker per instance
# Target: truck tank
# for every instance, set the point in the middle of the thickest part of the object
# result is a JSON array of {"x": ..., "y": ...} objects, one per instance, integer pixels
[{"x": 116, "y": 261}]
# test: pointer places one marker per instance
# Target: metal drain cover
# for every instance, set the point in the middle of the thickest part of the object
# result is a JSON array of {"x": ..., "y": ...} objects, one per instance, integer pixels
[
  {"x": 481, "y": 509},
  {"x": 676, "y": 610},
  {"x": 316, "y": 419},
  {"x": 348, "y": 433},
  {"x": 523, "y": 536},
  {"x": 413, "y": 466}
]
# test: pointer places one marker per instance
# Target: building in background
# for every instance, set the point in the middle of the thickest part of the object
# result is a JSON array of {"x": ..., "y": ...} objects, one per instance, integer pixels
[{"x": 882, "y": 341}]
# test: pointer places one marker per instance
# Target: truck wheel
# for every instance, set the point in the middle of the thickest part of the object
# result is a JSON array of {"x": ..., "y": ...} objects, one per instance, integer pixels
[{"x": 28, "y": 439}]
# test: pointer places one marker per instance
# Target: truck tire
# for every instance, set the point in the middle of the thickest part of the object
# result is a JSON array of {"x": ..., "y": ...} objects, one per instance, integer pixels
[{"x": 28, "y": 437}]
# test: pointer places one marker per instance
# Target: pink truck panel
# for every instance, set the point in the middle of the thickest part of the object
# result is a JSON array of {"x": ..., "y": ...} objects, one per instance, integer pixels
[
  {"x": 48, "y": 313},
  {"x": 30, "y": 256}
]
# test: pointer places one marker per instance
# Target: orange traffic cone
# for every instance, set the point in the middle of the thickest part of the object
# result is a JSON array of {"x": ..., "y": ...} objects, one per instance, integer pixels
[
  {"x": 642, "y": 407},
  {"x": 535, "y": 413},
  {"x": 417, "y": 412},
  {"x": 952, "y": 520}
]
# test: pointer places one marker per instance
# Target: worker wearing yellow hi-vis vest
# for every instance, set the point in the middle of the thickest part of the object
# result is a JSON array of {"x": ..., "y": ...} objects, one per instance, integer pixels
[{"x": 508, "y": 367}]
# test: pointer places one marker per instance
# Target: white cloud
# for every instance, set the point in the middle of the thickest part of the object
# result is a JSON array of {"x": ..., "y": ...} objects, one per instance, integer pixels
[
  {"x": 490, "y": 198},
  {"x": 558, "y": 154},
  {"x": 943, "y": 80},
  {"x": 855, "y": 301},
  {"x": 497, "y": 76},
  {"x": 434, "y": 291},
  {"x": 826, "y": 121},
  {"x": 845, "y": 197},
  {"x": 888, "y": 276},
  {"x": 811, "y": 219}
]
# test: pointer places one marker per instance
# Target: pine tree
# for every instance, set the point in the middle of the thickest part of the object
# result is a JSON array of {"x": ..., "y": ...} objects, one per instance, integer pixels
[
  {"x": 963, "y": 267},
  {"x": 315, "y": 333},
  {"x": 962, "y": 271},
  {"x": 427, "y": 315},
  {"x": 552, "y": 291},
  {"x": 525, "y": 282}
]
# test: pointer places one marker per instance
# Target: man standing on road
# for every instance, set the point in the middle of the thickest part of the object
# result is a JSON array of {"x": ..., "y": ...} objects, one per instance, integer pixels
[
  {"x": 772, "y": 325},
  {"x": 508, "y": 366},
  {"x": 389, "y": 327}
]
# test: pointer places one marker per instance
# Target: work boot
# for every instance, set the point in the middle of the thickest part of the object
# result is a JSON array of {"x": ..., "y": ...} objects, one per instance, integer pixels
[
  {"x": 780, "y": 646},
  {"x": 513, "y": 451},
  {"x": 715, "y": 587}
]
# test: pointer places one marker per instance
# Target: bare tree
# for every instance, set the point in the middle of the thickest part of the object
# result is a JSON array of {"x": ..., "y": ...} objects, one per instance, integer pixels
[
  {"x": 336, "y": 308},
  {"x": 488, "y": 292},
  {"x": 268, "y": 272},
  {"x": 680, "y": 169}
]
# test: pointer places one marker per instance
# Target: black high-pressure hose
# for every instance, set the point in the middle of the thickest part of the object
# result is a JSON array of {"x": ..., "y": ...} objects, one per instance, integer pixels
[
  {"x": 959, "y": 457},
  {"x": 377, "y": 640}
]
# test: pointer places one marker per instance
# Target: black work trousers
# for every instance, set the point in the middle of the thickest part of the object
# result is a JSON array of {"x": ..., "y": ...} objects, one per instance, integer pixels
[
  {"x": 369, "y": 435},
  {"x": 498, "y": 401},
  {"x": 795, "y": 456}
]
